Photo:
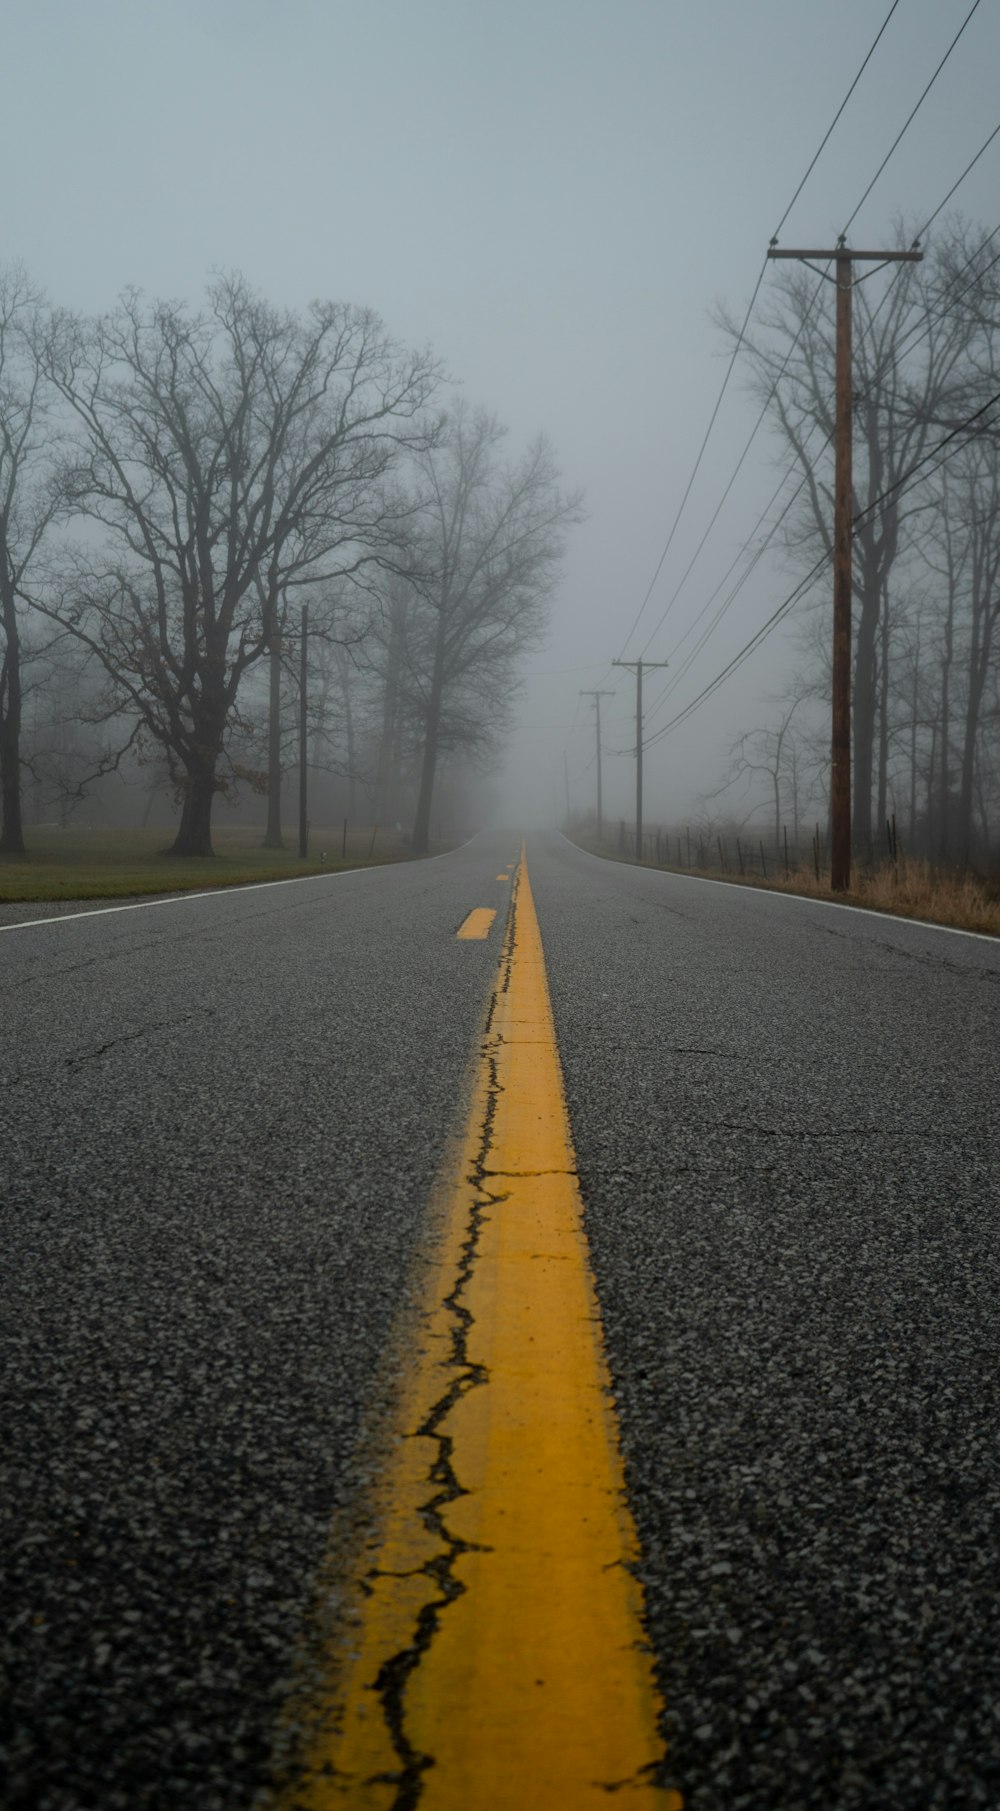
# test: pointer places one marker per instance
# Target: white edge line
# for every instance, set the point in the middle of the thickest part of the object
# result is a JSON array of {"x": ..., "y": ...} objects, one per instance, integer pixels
[
  {"x": 238, "y": 887},
  {"x": 832, "y": 905}
]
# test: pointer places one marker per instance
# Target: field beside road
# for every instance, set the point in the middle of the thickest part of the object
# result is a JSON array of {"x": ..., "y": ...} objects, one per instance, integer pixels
[
  {"x": 907, "y": 888},
  {"x": 80, "y": 863}
]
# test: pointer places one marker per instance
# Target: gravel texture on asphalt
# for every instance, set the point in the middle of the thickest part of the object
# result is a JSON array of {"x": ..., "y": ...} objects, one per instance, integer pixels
[
  {"x": 786, "y": 1125},
  {"x": 222, "y": 1123}
]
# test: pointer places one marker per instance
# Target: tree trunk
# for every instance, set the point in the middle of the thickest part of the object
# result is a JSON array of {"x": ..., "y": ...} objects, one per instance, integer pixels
[
  {"x": 977, "y": 681},
  {"x": 428, "y": 768},
  {"x": 385, "y": 790},
  {"x": 11, "y": 822},
  {"x": 929, "y": 834},
  {"x": 272, "y": 835},
  {"x": 944, "y": 827},
  {"x": 352, "y": 778},
  {"x": 12, "y": 830},
  {"x": 913, "y": 745},
  {"x": 194, "y": 833},
  {"x": 865, "y": 700},
  {"x": 883, "y": 718}
]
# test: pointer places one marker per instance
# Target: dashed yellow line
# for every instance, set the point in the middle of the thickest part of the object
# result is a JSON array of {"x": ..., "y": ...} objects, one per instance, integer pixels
[
  {"x": 497, "y": 1661},
  {"x": 476, "y": 926}
]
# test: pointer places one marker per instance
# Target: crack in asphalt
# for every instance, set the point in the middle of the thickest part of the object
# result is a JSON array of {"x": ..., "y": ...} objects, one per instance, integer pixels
[
  {"x": 845, "y": 1132},
  {"x": 132, "y": 1037},
  {"x": 128, "y": 1037},
  {"x": 395, "y": 1673},
  {"x": 923, "y": 958}
]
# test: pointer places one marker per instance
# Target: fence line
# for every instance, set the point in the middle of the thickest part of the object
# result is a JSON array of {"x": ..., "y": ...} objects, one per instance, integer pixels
[{"x": 771, "y": 857}]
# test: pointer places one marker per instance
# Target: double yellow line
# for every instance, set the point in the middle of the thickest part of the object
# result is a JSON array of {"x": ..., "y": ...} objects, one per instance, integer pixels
[{"x": 496, "y": 1660}]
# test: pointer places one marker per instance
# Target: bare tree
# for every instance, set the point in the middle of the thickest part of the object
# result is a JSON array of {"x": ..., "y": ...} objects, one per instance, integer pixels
[
  {"x": 773, "y": 756},
  {"x": 224, "y": 460},
  {"x": 28, "y": 507},
  {"x": 486, "y": 546},
  {"x": 897, "y": 402}
]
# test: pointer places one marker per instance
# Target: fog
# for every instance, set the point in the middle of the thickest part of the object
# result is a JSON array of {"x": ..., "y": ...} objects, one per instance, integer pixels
[{"x": 553, "y": 194}]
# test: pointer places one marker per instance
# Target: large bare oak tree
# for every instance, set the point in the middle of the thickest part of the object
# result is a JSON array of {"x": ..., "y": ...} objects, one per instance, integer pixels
[{"x": 224, "y": 460}]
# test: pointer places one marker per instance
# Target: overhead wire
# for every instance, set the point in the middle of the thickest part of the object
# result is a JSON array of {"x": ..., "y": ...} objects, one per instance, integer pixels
[
  {"x": 901, "y": 485},
  {"x": 738, "y": 467},
  {"x": 672, "y": 684},
  {"x": 742, "y": 332},
  {"x": 697, "y": 464},
  {"x": 907, "y": 123},
  {"x": 918, "y": 333}
]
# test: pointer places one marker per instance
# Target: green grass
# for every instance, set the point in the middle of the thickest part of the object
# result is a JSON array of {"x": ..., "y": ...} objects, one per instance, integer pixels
[{"x": 78, "y": 863}]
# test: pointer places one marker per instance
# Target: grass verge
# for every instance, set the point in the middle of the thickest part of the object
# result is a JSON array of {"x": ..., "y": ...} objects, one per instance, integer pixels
[
  {"x": 78, "y": 863},
  {"x": 910, "y": 889}
]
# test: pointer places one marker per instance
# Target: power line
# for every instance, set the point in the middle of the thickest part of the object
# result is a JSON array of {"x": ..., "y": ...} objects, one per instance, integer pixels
[
  {"x": 736, "y": 471},
  {"x": 833, "y": 122},
  {"x": 911, "y": 117},
  {"x": 916, "y": 335},
  {"x": 671, "y": 687},
  {"x": 698, "y": 460},
  {"x": 754, "y": 642},
  {"x": 669, "y": 690},
  {"x": 746, "y": 321},
  {"x": 957, "y": 185},
  {"x": 922, "y": 330},
  {"x": 918, "y": 464},
  {"x": 783, "y": 608}
]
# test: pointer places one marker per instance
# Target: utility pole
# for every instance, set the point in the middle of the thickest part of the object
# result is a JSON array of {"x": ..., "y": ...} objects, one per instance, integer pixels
[
  {"x": 303, "y": 825},
  {"x": 597, "y": 696},
  {"x": 840, "y": 741},
  {"x": 566, "y": 783},
  {"x": 639, "y": 665}
]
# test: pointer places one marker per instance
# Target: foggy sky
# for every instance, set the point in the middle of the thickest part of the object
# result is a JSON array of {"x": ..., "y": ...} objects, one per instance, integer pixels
[{"x": 552, "y": 193}]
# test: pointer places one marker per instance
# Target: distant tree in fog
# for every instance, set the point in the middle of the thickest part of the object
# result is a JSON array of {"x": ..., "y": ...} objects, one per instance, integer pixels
[
  {"x": 28, "y": 508},
  {"x": 224, "y": 460},
  {"x": 485, "y": 546}
]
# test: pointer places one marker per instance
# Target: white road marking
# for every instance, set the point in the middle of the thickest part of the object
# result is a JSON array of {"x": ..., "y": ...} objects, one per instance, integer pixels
[
  {"x": 251, "y": 886},
  {"x": 142, "y": 905},
  {"x": 833, "y": 905}
]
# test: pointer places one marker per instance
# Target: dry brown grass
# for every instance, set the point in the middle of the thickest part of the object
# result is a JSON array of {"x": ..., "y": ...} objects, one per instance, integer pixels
[{"x": 909, "y": 889}]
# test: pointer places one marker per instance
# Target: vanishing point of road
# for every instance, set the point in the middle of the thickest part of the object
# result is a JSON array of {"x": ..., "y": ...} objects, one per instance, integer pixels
[{"x": 499, "y": 1332}]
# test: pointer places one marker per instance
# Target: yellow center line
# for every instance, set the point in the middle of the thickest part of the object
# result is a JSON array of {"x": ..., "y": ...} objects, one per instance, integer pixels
[
  {"x": 476, "y": 926},
  {"x": 493, "y": 1656}
]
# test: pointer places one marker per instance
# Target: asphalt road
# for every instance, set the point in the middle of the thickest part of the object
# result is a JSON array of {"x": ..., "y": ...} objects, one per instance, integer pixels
[{"x": 223, "y": 1120}]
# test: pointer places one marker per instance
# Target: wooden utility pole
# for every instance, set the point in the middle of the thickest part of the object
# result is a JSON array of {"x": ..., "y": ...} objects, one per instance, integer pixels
[
  {"x": 843, "y": 510},
  {"x": 597, "y": 696},
  {"x": 303, "y": 821},
  {"x": 638, "y": 666}
]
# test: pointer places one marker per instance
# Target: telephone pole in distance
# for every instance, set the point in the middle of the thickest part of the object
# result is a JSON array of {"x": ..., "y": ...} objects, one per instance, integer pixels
[
  {"x": 840, "y": 762},
  {"x": 638, "y": 665},
  {"x": 597, "y": 696}
]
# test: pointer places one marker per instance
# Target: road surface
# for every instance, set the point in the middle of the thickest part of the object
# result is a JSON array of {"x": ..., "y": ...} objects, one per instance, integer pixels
[{"x": 225, "y": 1121}]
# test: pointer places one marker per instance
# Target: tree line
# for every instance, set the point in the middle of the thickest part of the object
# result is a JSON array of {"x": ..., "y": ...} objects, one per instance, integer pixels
[
  {"x": 926, "y": 545},
  {"x": 176, "y": 482}
]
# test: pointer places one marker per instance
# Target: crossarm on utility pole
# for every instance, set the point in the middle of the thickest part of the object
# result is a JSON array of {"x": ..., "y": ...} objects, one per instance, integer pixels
[
  {"x": 597, "y": 696},
  {"x": 844, "y": 259},
  {"x": 638, "y": 666}
]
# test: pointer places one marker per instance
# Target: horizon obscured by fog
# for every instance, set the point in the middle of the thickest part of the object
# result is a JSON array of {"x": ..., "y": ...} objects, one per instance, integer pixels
[{"x": 554, "y": 196}]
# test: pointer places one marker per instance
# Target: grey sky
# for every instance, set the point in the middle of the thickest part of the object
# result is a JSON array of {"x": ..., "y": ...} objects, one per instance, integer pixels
[{"x": 551, "y": 193}]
